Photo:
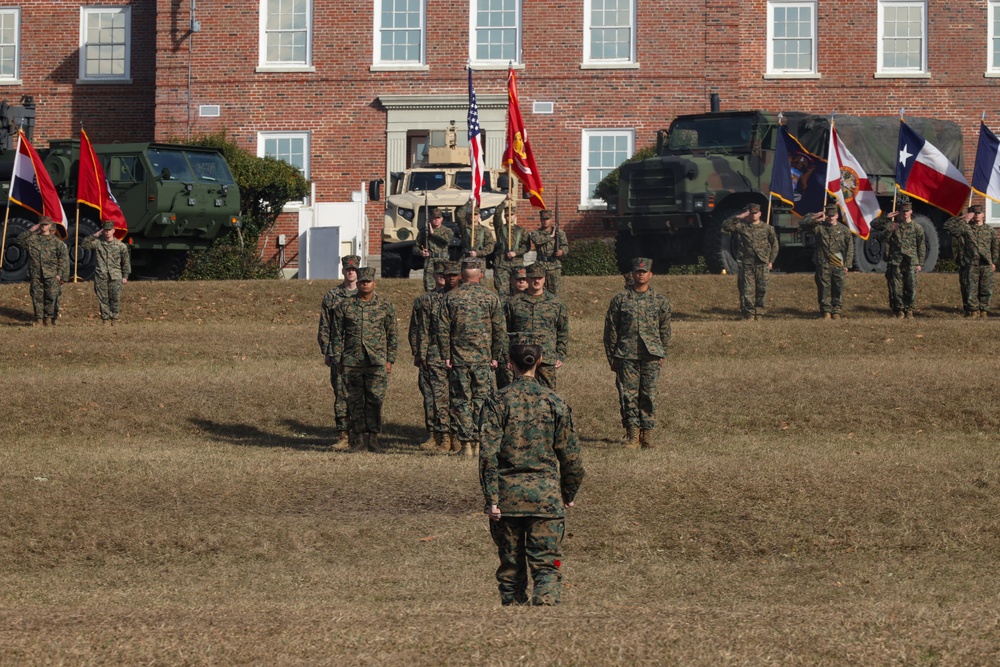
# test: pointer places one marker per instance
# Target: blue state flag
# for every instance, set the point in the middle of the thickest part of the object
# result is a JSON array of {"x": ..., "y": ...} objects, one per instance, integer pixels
[
  {"x": 782, "y": 186},
  {"x": 986, "y": 174},
  {"x": 808, "y": 174}
]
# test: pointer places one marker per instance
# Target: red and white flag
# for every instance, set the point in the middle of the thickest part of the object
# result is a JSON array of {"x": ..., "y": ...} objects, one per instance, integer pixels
[
  {"x": 92, "y": 188},
  {"x": 924, "y": 173},
  {"x": 31, "y": 186},
  {"x": 475, "y": 145},
  {"x": 518, "y": 155},
  {"x": 848, "y": 183}
]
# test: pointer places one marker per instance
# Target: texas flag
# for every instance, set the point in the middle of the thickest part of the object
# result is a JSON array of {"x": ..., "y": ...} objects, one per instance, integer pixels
[
  {"x": 986, "y": 174},
  {"x": 923, "y": 172}
]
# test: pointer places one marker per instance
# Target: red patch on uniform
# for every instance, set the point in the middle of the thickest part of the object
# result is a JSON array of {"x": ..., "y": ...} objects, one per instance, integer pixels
[{"x": 558, "y": 563}]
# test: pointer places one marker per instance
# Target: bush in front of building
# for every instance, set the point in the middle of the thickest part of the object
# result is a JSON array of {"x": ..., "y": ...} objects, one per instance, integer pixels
[
  {"x": 225, "y": 261},
  {"x": 591, "y": 257}
]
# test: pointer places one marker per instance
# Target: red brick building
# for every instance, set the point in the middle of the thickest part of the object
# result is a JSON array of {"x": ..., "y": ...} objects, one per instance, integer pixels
[{"x": 347, "y": 90}]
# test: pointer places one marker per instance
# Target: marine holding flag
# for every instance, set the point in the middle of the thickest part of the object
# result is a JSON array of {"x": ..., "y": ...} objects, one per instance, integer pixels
[{"x": 92, "y": 188}]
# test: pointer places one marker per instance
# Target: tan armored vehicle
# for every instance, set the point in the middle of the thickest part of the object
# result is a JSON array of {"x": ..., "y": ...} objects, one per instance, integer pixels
[{"x": 443, "y": 179}]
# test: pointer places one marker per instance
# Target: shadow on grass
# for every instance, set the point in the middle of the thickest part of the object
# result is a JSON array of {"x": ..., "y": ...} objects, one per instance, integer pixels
[
  {"x": 395, "y": 438},
  {"x": 17, "y": 316}
]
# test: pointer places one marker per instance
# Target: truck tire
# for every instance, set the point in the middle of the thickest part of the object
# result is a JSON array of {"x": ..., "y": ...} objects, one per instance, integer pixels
[
  {"x": 392, "y": 264},
  {"x": 88, "y": 261},
  {"x": 169, "y": 264},
  {"x": 933, "y": 242},
  {"x": 718, "y": 248},
  {"x": 868, "y": 254},
  {"x": 15, "y": 259}
]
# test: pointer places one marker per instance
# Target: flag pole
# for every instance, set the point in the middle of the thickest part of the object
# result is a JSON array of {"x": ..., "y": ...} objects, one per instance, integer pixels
[
  {"x": 510, "y": 168},
  {"x": 76, "y": 246},
  {"x": 3, "y": 239}
]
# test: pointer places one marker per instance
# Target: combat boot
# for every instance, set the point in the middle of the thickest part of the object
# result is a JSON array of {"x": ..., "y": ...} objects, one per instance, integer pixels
[
  {"x": 456, "y": 445},
  {"x": 371, "y": 440},
  {"x": 467, "y": 448},
  {"x": 835, "y": 316},
  {"x": 971, "y": 313},
  {"x": 342, "y": 443},
  {"x": 898, "y": 314},
  {"x": 646, "y": 438},
  {"x": 908, "y": 314},
  {"x": 984, "y": 314},
  {"x": 443, "y": 440},
  {"x": 356, "y": 441},
  {"x": 475, "y": 449},
  {"x": 431, "y": 443},
  {"x": 826, "y": 316},
  {"x": 54, "y": 320},
  {"x": 631, "y": 439}
]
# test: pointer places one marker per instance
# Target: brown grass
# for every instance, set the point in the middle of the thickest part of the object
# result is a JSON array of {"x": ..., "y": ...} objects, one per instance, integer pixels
[{"x": 827, "y": 495}]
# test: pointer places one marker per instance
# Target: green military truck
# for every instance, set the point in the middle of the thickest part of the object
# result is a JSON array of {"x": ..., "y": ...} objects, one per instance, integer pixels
[
  {"x": 176, "y": 199},
  {"x": 709, "y": 166}
]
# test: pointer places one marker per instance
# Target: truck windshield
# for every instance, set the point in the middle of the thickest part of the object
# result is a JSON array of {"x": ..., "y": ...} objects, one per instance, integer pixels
[
  {"x": 701, "y": 134},
  {"x": 426, "y": 180},
  {"x": 463, "y": 180},
  {"x": 189, "y": 166},
  {"x": 210, "y": 168}
]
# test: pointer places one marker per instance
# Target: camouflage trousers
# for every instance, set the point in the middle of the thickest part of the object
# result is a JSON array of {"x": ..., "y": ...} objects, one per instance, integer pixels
[
  {"x": 470, "y": 386},
  {"x": 545, "y": 375},
  {"x": 501, "y": 279},
  {"x": 552, "y": 278},
  {"x": 365, "y": 392},
  {"x": 529, "y": 543},
  {"x": 433, "y": 383},
  {"x": 429, "y": 283},
  {"x": 339, "y": 398},
  {"x": 902, "y": 281},
  {"x": 45, "y": 294},
  {"x": 504, "y": 374},
  {"x": 830, "y": 282},
  {"x": 636, "y": 380},
  {"x": 109, "y": 296},
  {"x": 963, "y": 284},
  {"x": 978, "y": 289},
  {"x": 752, "y": 283}
]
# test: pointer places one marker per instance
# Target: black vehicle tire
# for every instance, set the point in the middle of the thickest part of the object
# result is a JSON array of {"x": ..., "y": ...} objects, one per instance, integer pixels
[
  {"x": 392, "y": 264},
  {"x": 868, "y": 254},
  {"x": 719, "y": 248},
  {"x": 933, "y": 243},
  {"x": 88, "y": 261},
  {"x": 169, "y": 264},
  {"x": 406, "y": 263},
  {"x": 15, "y": 259}
]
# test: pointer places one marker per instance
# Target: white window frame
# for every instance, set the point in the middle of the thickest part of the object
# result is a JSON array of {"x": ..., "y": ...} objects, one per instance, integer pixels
[
  {"x": 126, "y": 76},
  {"x": 992, "y": 213},
  {"x": 263, "y": 64},
  {"x": 901, "y": 72},
  {"x": 589, "y": 61},
  {"x": 390, "y": 65},
  {"x": 774, "y": 72},
  {"x": 586, "y": 201},
  {"x": 502, "y": 63},
  {"x": 992, "y": 13},
  {"x": 15, "y": 77},
  {"x": 306, "y": 138}
]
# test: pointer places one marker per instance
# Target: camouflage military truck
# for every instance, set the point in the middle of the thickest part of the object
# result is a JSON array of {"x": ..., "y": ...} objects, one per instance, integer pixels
[
  {"x": 175, "y": 199},
  {"x": 710, "y": 166},
  {"x": 443, "y": 180}
]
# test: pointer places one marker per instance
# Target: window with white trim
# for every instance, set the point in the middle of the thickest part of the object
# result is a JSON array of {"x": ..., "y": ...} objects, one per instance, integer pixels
[
  {"x": 105, "y": 43},
  {"x": 10, "y": 43},
  {"x": 400, "y": 32},
  {"x": 609, "y": 31},
  {"x": 285, "y": 33},
  {"x": 992, "y": 213},
  {"x": 603, "y": 151},
  {"x": 791, "y": 37},
  {"x": 993, "y": 48},
  {"x": 290, "y": 147},
  {"x": 495, "y": 31},
  {"x": 902, "y": 36}
]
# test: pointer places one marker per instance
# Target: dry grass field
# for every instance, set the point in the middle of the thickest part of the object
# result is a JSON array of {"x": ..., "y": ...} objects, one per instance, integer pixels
[{"x": 828, "y": 493}]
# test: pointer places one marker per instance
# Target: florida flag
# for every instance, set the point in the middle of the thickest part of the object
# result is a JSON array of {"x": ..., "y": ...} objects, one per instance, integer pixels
[
  {"x": 923, "y": 172},
  {"x": 986, "y": 174},
  {"x": 92, "y": 188},
  {"x": 31, "y": 186},
  {"x": 848, "y": 183}
]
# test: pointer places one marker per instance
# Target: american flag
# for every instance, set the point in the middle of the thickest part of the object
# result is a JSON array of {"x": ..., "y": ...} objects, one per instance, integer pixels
[{"x": 475, "y": 145}]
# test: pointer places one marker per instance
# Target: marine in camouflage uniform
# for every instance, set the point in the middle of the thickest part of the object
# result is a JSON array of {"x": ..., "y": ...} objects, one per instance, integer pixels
[
  {"x": 530, "y": 469},
  {"x": 636, "y": 338},
  {"x": 518, "y": 283},
  {"x": 544, "y": 240},
  {"x": 756, "y": 250},
  {"x": 364, "y": 348},
  {"x": 113, "y": 269},
  {"x": 980, "y": 253},
  {"x": 904, "y": 248},
  {"x": 48, "y": 267},
  {"x": 507, "y": 254},
  {"x": 833, "y": 257},
  {"x": 434, "y": 245},
  {"x": 471, "y": 336},
  {"x": 349, "y": 287},
  {"x": 541, "y": 314},
  {"x": 482, "y": 245}
]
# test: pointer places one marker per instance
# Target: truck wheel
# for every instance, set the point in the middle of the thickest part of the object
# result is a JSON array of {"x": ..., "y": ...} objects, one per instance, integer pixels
[
  {"x": 868, "y": 255},
  {"x": 88, "y": 260},
  {"x": 933, "y": 244},
  {"x": 392, "y": 264},
  {"x": 719, "y": 248},
  {"x": 169, "y": 264},
  {"x": 15, "y": 259}
]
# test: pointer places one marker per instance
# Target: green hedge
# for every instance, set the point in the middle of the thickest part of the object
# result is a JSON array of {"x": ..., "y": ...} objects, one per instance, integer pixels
[
  {"x": 591, "y": 257},
  {"x": 229, "y": 262}
]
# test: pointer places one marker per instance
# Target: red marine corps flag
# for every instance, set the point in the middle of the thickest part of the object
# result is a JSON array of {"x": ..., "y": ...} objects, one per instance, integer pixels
[
  {"x": 518, "y": 157},
  {"x": 92, "y": 188}
]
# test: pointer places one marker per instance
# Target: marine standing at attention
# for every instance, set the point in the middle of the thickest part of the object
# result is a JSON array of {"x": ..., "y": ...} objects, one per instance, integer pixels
[
  {"x": 980, "y": 253},
  {"x": 833, "y": 257},
  {"x": 541, "y": 314},
  {"x": 636, "y": 338},
  {"x": 518, "y": 284},
  {"x": 508, "y": 253},
  {"x": 757, "y": 248},
  {"x": 432, "y": 243},
  {"x": 364, "y": 349},
  {"x": 530, "y": 469},
  {"x": 482, "y": 245},
  {"x": 904, "y": 249},
  {"x": 331, "y": 299},
  {"x": 48, "y": 267},
  {"x": 550, "y": 247},
  {"x": 112, "y": 271}
]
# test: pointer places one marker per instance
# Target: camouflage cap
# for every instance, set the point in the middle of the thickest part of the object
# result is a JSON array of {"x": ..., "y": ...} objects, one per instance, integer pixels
[
  {"x": 535, "y": 270},
  {"x": 518, "y": 273},
  {"x": 545, "y": 214},
  {"x": 642, "y": 264},
  {"x": 449, "y": 268},
  {"x": 45, "y": 220},
  {"x": 906, "y": 206},
  {"x": 437, "y": 213},
  {"x": 523, "y": 338},
  {"x": 976, "y": 208},
  {"x": 472, "y": 263},
  {"x": 753, "y": 208},
  {"x": 366, "y": 274},
  {"x": 108, "y": 225},
  {"x": 350, "y": 262},
  {"x": 831, "y": 209},
  {"x": 437, "y": 265}
]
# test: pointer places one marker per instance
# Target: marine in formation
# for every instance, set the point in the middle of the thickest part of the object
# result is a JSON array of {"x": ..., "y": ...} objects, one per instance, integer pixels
[
  {"x": 113, "y": 266},
  {"x": 756, "y": 250},
  {"x": 904, "y": 248},
  {"x": 349, "y": 268},
  {"x": 833, "y": 256}
]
